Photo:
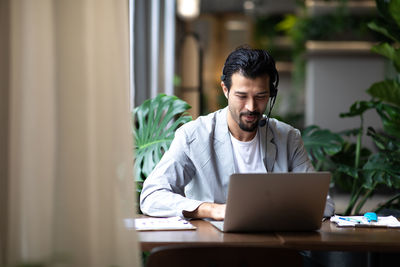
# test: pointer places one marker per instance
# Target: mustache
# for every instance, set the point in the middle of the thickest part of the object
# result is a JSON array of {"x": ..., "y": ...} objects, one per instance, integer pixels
[{"x": 252, "y": 113}]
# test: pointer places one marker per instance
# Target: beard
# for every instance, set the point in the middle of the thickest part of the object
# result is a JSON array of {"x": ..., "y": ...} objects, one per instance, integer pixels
[{"x": 246, "y": 126}]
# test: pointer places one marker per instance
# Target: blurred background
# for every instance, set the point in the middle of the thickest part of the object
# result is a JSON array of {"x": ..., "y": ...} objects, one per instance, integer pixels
[{"x": 322, "y": 50}]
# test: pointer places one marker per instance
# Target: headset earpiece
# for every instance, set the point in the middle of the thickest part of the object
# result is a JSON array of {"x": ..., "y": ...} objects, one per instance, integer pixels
[
  {"x": 272, "y": 90},
  {"x": 273, "y": 85}
]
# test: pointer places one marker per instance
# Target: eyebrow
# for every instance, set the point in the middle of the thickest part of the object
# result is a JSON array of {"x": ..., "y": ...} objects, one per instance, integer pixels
[{"x": 260, "y": 93}]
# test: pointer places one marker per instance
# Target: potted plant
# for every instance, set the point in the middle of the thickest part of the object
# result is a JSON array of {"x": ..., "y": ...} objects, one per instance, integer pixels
[
  {"x": 367, "y": 171},
  {"x": 154, "y": 124}
]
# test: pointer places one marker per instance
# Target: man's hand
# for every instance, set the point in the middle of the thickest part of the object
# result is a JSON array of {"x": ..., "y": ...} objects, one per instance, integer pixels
[{"x": 207, "y": 210}]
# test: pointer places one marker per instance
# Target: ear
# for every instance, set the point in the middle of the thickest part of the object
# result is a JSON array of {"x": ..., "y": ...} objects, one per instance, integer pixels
[{"x": 224, "y": 89}]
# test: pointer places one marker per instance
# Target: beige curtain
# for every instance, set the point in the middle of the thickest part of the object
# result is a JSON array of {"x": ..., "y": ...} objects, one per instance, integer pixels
[{"x": 70, "y": 183}]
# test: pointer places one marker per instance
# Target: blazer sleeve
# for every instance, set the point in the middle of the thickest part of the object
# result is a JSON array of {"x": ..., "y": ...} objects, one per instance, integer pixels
[
  {"x": 298, "y": 157},
  {"x": 163, "y": 191}
]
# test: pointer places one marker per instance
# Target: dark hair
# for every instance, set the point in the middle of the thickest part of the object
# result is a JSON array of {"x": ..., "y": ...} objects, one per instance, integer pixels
[{"x": 251, "y": 63}]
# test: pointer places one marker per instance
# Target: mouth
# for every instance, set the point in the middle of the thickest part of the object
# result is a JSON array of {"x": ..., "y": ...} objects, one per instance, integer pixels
[{"x": 250, "y": 117}]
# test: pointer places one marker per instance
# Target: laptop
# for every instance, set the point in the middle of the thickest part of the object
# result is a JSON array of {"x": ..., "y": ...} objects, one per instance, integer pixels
[{"x": 260, "y": 202}]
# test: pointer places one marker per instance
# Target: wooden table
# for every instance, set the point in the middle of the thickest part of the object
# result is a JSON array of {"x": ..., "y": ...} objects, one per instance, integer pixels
[{"x": 328, "y": 238}]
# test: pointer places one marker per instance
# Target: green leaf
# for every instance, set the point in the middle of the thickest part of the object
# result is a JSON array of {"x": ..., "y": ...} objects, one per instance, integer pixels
[
  {"x": 383, "y": 168},
  {"x": 382, "y": 28},
  {"x": 319, "y": 143},
  {"x": 287, "y": 24},
  {"x": 383, "y": 8},
  {"x": 358, "y": 108},
  {"x": 379, "y": 140},
  {"x": 388, "y": 21},
  {"x": 155, "y": 122},
  {"x": 349, "y": 170},
  {"x": 388, "y": 91},
  {"x": 394, "y": 9},
  {"x": 389, "y": 52},
  {"x": 383, "y": 141},
  {"x": 390, "y": 116}
]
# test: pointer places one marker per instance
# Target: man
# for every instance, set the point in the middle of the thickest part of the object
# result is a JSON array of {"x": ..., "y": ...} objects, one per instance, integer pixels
[{"x": 191, "y": 180}]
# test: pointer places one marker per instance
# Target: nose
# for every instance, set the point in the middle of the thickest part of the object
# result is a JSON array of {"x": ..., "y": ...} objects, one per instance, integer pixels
[{"x": 250, "y": 104}]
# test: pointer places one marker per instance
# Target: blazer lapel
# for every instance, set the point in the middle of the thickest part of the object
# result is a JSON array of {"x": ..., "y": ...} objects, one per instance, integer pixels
[
  {"x": 222, "y": 145},
  {"x": 268, "y": 147}
]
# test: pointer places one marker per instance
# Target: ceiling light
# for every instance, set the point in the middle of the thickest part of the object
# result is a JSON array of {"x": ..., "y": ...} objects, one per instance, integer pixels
[
  {"x": 188, "y": 9},
  {"x": 248, "y": 5}
]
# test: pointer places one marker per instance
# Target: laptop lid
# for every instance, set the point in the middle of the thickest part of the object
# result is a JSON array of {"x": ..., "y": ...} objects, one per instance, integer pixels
[{"x": 276, "y": 201}]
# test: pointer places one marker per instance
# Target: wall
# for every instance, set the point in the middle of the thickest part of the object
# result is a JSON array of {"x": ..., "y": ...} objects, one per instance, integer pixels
[{"x": 335, "y": 79}]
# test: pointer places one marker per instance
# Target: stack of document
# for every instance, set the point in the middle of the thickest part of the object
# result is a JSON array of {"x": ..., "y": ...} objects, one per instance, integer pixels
[
  {"x": 361, "y": 221},
  {"x": 157, "y": 224}
]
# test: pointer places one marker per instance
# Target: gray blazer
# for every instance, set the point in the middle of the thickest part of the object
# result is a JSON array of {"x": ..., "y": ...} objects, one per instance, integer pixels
[{"x": 197, "y": 166}]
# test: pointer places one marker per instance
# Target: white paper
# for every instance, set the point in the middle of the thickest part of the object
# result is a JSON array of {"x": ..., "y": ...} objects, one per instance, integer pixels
[
  {"x": 383, "y": 221},
  {"x": 157, "y": 224}
]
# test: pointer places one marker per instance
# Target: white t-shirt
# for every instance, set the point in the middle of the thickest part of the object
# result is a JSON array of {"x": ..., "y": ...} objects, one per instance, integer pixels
[{"x": 247, "y": 155}]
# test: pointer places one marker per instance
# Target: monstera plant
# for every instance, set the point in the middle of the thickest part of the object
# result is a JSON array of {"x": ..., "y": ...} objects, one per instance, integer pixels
[
  {"x": 366, "y": 171},
  {"x": 154, "y": 125}
]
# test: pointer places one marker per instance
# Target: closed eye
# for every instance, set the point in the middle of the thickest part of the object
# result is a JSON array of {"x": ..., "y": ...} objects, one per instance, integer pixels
[{"x": 241, "y": 96}]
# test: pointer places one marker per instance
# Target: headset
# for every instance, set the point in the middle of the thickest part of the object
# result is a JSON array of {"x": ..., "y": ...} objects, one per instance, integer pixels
[{"x": 273, "y": 88}]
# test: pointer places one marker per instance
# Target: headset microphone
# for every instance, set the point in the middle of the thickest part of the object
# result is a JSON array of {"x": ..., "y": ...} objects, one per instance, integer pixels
[{"x": 265, "y": 121}]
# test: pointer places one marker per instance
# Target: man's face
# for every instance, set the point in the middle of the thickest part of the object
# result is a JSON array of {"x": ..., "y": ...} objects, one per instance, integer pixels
[{"x": 247, "y": 101}]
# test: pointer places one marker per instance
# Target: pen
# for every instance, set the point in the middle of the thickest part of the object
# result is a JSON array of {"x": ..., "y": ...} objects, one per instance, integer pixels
[{"x": 350, "y": 219}]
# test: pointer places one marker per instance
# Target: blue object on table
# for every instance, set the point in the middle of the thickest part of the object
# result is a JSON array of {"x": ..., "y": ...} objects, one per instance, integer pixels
[
  {"x": 349, "y": 219},
  {"x": 371, "y": 216}
]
